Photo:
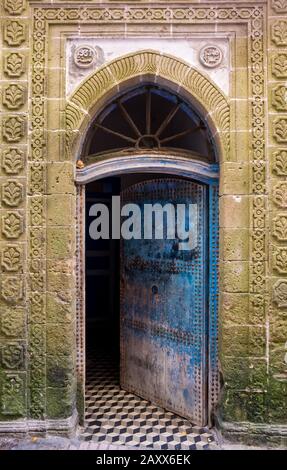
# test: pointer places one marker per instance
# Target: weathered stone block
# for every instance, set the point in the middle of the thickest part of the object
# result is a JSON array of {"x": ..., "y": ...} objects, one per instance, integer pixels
[
  {"x": 59, "y": 210},
  {"x": 59, "y": 242},
  {"x": 59, "y": 282},
  {"x": 276, "y": 401},
  {"x": 234, "y": 276},
  {"x": 12, "y": 321},
  {"x": 243, "y": 341},
  {"x": 234, "y": 211},
  {"x": 234, "y": 405},
  {"x": 60, "y": 402},
  {"x": 235, "y": 244},
  {"x": 255, "y": 406},
  {"x": 234, "y": 308},
  {"x": 60, "y": 370},
  {"x": 13, "y": 355},
  {"x": 234, "y": 178},
  {"x": 60, "y": 178},
  {"x": 60, "y": 308},
  {"x": 13, "y": 394},
  {"x": 60, "y": 339}
]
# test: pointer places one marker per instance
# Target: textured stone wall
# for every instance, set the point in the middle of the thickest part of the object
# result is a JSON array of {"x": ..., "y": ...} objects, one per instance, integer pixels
[
  {"x": 277, "y": 214},
  {"x": 15, "y": 288},
  {"x": 41, "y": 132}
]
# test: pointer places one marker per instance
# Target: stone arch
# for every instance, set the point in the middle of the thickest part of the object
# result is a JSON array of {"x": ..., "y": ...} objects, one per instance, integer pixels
[
  {"x": 155, "y": 67},
  {"x": 90, "y": 97}
]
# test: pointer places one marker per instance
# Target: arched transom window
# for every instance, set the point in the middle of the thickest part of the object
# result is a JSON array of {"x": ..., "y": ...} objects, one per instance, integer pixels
[{"x": 149, "y": 118}]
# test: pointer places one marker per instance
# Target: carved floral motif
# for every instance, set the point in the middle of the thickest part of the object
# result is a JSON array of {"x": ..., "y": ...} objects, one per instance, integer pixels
[
  {"x": 12, "y": 321},
  {"x": 13, "y": 394},
  {"x": 280, "y": 293},
  {"x": 279, "y": 98},
  {"x": 14, "y": 64},
  {"x": 280, "y": 195},
  {"x": 13, "y": 128},
  {"x": 14, "y": 7},
  {"x": 12, "y": 225},
  {"x": 280, "y": 162},
  {"x": 11, "y": 258},
  {"x": 279, "y": 33},
  {"x": 280, "y": 129},
  {"x": 280, "y": 227},
  {"x": 280, "y": 260},
  {"x": 280, "y": 6},
  {"x": 14, "y": 32},
  {"x": 13, "y": 160},
  {"x": 12, "y": 193},
  {"x": 279, "y": 65},
  {"x": 13, "y": 355},
  {"x": 12, "y": 288},
  {"x": 13, "y": 96}
]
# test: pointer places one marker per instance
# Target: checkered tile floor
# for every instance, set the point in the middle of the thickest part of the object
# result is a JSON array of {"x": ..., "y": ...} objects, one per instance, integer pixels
[{"x": 117, "y": 417}]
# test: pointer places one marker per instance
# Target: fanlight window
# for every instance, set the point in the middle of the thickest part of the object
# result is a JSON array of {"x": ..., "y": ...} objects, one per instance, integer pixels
[{"x": 150, "y": 118}]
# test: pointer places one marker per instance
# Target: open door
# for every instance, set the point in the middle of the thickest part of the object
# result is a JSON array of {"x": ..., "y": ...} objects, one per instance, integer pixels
[{"x": 163, "y": 305}]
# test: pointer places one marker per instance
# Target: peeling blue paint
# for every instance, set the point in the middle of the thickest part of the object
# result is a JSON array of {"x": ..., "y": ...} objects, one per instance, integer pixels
[{"x": 164, "y": 306}]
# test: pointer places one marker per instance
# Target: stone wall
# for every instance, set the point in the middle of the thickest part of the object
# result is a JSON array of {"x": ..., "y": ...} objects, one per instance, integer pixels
[{"x": 44, "y": 117}]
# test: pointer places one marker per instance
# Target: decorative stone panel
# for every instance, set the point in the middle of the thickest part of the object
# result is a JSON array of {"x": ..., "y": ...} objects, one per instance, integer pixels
[
  {"x": 280, "y": 195},
  {"x": 12, "y": 258},
  {"x": 13, "y": 96},
  {"x": 279, "y": 32},
  {"x": 12, "y": 322},
  {"x": 280, "y": 293},
  {"x": 14, "y": 7},
  {"x": 278, "y": 214},
  {"x": 12, "y": 193},
  {"x": 280, "y": 227},
  {"x": 13, "y": 355},
  {"x": 280, "y": 130},
  {"x": 279, "y": 98},
  {"x": 279, "y": 65},
  {"x": 13, "y": 151},
  {"x": 13, "y": 128},
  {"x": 279, "y": 6},
  {"x": 12, "y": 225},
  {"x": 14, "y": 32},
  {"x": 280, "y": 260},
  {"x": 279, "y": 162},
  {"x": 13, "y": 396},
  {"x": 13, "y": 160},
  {"x": 12, "y": 289},
  {"x": 14, "y": 64}
]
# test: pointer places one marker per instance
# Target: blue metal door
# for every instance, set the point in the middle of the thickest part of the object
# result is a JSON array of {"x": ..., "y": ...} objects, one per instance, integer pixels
[{"x": 164, "y": 306}]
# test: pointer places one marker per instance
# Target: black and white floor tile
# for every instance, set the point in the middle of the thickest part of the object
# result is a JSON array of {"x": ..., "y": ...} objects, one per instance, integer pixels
[{"x": 118, "y": 417}]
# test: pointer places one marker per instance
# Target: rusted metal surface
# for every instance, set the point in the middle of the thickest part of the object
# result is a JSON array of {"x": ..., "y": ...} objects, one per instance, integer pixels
[{"x": 164, "y": 308}]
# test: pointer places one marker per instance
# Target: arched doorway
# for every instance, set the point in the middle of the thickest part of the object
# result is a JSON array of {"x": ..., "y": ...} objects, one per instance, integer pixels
[{"x": 155, "y": 148}]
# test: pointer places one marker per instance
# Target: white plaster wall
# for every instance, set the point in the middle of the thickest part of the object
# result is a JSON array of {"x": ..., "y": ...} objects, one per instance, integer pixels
[{"x": 186, "y": 49}]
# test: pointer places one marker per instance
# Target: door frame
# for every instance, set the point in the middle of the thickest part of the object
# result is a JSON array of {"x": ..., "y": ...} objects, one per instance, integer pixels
[{"x": 171, "y": 165}]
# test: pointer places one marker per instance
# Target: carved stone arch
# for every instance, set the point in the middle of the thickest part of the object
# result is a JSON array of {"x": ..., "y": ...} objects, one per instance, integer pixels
[{"x": 154, "y": 67}]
